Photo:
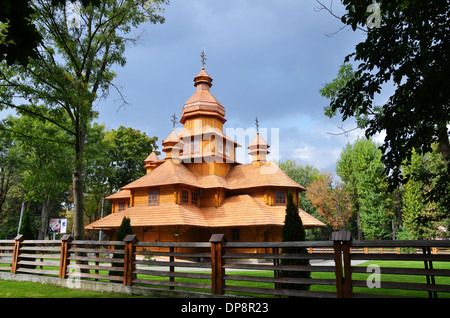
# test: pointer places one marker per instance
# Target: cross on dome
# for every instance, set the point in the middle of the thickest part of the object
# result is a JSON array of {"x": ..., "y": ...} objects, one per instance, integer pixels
[
  {"x": 203, "y": 56},
  {"x": 174, "y": 120}
]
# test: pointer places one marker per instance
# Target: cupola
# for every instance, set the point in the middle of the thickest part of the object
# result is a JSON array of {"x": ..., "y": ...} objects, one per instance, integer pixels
[
  {"x": 173, "y": 147},
  {"x": 151, "y": 162},
  {"x": 202, "y": 108},
  {"x": 258, "y": 150}
]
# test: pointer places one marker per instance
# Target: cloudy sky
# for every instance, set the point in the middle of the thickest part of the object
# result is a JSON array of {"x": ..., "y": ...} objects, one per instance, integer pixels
[{"x": 268, "y": 59}]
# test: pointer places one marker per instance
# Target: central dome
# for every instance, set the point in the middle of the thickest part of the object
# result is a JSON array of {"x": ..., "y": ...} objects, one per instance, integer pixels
[{"x": 202, "y": 103}]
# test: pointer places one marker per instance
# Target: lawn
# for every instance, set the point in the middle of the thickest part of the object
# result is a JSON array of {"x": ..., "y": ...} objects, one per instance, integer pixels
[
  {"x": 13, "y": 289},
  {"x": 391, "y": 278}
]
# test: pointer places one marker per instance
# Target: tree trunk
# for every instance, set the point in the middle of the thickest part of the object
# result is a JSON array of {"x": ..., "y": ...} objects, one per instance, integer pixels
[
  {"x": 444, "y": 144},
  {"x": 77, "y": 180},
  {"x": 44, "y": 219}
]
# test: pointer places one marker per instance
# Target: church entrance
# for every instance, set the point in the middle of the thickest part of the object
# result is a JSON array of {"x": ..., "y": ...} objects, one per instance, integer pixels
[{"x": 151, "y": 235}]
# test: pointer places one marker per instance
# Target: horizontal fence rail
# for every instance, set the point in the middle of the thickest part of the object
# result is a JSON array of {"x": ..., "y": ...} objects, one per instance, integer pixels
[{"x": 219, "y": 267}]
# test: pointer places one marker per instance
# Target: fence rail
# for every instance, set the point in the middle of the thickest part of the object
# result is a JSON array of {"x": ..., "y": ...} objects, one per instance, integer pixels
[{"x": 252, "y": 268}]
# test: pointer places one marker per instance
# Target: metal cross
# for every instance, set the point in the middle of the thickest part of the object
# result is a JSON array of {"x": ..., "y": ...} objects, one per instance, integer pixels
[
  {"x": 203, "y": 56},
  {"x": 257, "y": 124},
  {"x": 174, "y": 120}
]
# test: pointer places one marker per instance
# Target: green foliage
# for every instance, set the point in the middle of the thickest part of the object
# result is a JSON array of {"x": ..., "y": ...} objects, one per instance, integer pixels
[
  {"x": 124, "y": 229},
  {"x": 71, "y": 68},
  {"x": 129, "y": 148},
  {"x": 361, "y": 168},
  {"x": 304, "y": 175},
  {"x": 332, "y": 201},
  {"x": 423, "y": 217},
  {"x": 27, "y": 228},
  {"x": 409, "y": 53},
  {"x": 293, "y": 231}
]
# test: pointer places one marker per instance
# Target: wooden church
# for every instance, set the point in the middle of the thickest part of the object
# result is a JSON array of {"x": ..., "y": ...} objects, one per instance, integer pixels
[{"x": 199, "y": 189}]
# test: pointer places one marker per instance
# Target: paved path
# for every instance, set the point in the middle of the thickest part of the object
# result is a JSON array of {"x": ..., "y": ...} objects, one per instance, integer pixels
[{"x": 181, "y": 268}]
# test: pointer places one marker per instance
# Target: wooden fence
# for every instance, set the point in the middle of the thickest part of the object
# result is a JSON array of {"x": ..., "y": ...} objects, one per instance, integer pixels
[{"x": 219, "y": 267}]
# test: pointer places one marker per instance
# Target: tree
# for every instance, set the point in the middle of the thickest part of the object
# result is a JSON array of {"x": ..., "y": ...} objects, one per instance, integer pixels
[
  {"x": 124, "y": 230},
  {"x": 410, "y": 53},
  {"x": 72, "y": 69},
  {"x": 331, "y": 200},
  {"x": 27, "y": 229},
  {"x": 361, "y": 168},
  {"x": 44, "y": 169},
  {"x": 11, "y": 158},
  {"x": 293, "y": 231},
  {"x": 423, "y": 219},
  {"x": 129, "y": 148},
  {"x": 113, "y": 159},
  {"x": 20, "y": 36},
  {"x": 304, "y": 175}
]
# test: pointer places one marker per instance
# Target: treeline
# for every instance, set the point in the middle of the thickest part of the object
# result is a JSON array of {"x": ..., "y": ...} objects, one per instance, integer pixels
[
  {"x": 358, "y": 197},
  {"x": 36, "y": 172}
]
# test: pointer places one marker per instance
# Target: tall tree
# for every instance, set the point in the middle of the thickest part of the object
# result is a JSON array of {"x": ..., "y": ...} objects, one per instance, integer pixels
[
  {"x": 129, "y": 148},
  {"x": 20, "y": 36},
  {"x": 45, "y": 170},
  {"x": 361, "y": 168},
  {"x": 304, "y": 175},
  {"x": 332, "y": 200},
  {"x": 113, "y": 159},
  {"x": 409, "y": 51},
  {"x": 293, "y": 231},
  {"x": 72, "y": 69},
  {"x": 423, "y": 218},
  {"x": 11, "y": 162}
]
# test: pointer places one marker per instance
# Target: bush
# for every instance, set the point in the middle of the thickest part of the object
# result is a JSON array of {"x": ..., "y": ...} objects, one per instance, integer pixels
[
  {"x": 124, "y": 229},
  {"x": 293, "y": 231}
]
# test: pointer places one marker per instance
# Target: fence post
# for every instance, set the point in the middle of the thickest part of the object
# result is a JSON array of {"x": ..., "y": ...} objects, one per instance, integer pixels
[
  {"x": 171, "y": 267},
  {"x": 217, "y": 270},
  {"x": 341, "y": 241},
  {"x": 429, "y": 265},
  {"x": 64, "y": 260},
  {"x": 129, "y": 258},
  {"x": 17, "y": 244}
]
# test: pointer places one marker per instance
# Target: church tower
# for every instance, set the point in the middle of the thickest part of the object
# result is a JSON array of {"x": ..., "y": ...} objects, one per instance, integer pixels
[{"x": 206, "y": 150}]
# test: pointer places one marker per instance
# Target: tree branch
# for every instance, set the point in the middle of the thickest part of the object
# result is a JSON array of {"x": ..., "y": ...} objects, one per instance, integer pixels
[
  {"x": 34, "y": 137},
  {"x": 24, "y": 109}
]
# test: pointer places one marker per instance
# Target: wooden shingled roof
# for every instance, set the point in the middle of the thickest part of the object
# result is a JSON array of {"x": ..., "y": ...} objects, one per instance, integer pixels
[
  {"x": 239, "y": 177},
  {"x": 239, "y": 210},
  {"x": 167, "y": 173},
  {"x": 268, "y": 174}
]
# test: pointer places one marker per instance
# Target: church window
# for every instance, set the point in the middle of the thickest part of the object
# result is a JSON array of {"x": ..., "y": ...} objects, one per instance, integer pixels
[
  {"x": 185, "y": 196},
  {"x": 189, "y": 196},
  {"x": 195, "y": 146},
  {"x": 153, "y": 197},
  {"x": 220, "y": 149},
  {"x": 235, "y": 234},
  {"x": 280, "y": 197},
  {"x": 122, "y": 206},
  {"x": 194, "y": 197},
  {"x": 227, "y": 150}
]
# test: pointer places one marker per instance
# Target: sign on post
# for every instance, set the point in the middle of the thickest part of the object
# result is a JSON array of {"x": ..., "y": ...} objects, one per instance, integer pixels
[{"x": 58, "y": 226}]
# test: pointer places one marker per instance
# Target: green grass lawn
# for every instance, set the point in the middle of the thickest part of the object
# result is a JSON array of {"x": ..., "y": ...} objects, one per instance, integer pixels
[{"x": 13, "y": 289}]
